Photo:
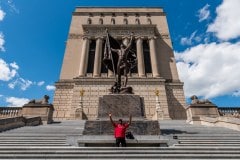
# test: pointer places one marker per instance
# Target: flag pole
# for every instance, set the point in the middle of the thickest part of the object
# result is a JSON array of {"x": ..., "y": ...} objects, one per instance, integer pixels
[{"x": 110, "y": 53}]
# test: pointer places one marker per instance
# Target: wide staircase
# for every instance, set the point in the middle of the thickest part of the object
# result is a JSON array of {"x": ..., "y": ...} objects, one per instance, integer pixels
[{"x": 185, "y": 142}]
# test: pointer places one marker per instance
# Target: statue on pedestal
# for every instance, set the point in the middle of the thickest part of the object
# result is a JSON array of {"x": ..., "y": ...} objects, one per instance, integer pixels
[
  {"x": 195, "y": 100},
  {"x": 120, "y": 59},
  {"x": 44, "y": 100}
]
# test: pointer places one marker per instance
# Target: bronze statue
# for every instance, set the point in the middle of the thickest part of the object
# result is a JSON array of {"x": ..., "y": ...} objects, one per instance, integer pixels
[{"x": 120, "y": 59}]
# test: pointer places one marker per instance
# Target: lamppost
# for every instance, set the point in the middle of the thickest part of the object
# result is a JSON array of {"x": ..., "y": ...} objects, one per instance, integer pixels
[
  {"x": 79, "y": 110},
  {"x": 159, "y": 111}
]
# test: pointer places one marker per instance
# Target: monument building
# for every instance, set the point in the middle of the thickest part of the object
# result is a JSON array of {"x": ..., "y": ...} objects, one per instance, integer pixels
[{"x": 84, "y": 79}]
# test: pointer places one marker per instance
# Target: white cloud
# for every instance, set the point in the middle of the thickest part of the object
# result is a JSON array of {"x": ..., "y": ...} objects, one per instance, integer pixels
[
  {"x": 2, "y": 14},
  {"x": 20, "y": 82},
  {"x": 190, "y": 40},
  {"x": 227, "y": 23},
  {"x": 40, "y": 83},
  {"x": 7, "y": 72},
  {"x": 14, "y": 65},
  {"x": 2, "y": 42},
  {"x": 50, "y": 87},
  {"x": 204, "y": 13},
  {"x": 210, "y": 70},
  {"x": 16, "y": 102}
]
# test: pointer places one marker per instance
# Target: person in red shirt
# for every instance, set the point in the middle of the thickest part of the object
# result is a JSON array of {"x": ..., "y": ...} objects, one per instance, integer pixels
[{"x": 120, "y": 130}]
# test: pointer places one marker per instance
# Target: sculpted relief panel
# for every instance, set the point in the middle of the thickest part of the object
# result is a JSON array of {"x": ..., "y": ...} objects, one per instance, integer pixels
[{"x": 119, "y": 31}]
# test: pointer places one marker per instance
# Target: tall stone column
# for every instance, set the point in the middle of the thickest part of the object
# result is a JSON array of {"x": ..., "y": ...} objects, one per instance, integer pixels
[
  {"x": 153, "y": 56},
  {"x": 84, "y": 57},
  {"x": 140, "y": 57},
  {"x": 98, "y": 57}
]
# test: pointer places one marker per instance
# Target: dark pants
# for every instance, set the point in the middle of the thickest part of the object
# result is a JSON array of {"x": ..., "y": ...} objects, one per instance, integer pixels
[{"x": 122, "y": 141}]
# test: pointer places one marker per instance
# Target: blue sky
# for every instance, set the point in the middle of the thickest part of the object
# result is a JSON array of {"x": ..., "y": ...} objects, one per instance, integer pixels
[{"x": 205, "y": 37}]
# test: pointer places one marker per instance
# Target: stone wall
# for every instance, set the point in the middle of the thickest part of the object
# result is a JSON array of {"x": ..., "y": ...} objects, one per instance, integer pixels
[
  {"x": 63, "y": 99},
  {"x": 176, "y": 100},
  {"x": 17, "y": 122}
]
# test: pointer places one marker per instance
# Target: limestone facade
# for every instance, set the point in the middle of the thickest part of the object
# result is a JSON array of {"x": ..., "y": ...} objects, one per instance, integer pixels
[{"x": 82, "y": 68}]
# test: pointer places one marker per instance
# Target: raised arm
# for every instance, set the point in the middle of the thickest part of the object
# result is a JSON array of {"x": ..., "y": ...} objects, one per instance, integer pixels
[
  {"x": 114, "y": 50},
  {"x": 110, "y": 117}
]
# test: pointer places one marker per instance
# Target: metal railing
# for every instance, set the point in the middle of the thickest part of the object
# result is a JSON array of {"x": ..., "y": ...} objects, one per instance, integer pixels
[{"x": 7, "y": 112}]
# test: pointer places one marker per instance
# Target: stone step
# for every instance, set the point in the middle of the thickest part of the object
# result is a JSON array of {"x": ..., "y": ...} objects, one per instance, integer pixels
[
  {"x": 32, "y": 140},
  {"x": 35, "y": 135},
  {"x": 99, "y": 149},
  {"x": 120, "y": 156},
  {"x": 179, "y": 151},
  {"x": 208, "y": 138},
  {"x": 32, "y": 144},
  {"x": 208, "y": 142},
  {"x": 214, "y": 144}
]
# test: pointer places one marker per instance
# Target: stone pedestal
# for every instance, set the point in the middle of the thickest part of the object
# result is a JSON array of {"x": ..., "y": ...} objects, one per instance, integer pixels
[
  {"x": 121, "y": 106},
  {"x": 138, "y": 127},
  {"x": 195, "y": 111},
  {"x": 79, "y": 114},
  {"x": 45, "y": 111}
]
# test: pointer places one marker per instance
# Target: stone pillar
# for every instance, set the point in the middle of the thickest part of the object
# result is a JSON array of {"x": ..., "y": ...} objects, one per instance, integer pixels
[
  {"x": 98, "y": 58},
  {"x": 84, "y": 57},
  {"x": 140, "y": 57},
  {"x": 153, "y": 56}
]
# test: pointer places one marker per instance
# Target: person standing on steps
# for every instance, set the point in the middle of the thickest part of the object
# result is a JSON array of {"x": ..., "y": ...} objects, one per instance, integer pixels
[{"x": 120, "y": 130}]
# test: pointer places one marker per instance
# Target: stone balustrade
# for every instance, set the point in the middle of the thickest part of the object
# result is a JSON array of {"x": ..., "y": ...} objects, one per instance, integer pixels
[
  {"x": 8, "y": 112},
  {"x": 229, "y": 112}
]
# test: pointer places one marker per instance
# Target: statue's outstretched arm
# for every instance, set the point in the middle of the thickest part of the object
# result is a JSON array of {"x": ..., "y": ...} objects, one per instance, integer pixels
[{"x": 114, "y": 50}]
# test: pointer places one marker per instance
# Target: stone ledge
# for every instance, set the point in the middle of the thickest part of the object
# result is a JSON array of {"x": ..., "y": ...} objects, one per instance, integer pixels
[
  {"x": 227, "y": 122},
  {"x": 17, "y": 122},
  {"x": 139, "y": 141}
]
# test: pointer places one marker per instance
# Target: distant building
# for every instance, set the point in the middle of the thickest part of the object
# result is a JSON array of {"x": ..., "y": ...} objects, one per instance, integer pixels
[{"x": 82, "y": 67}]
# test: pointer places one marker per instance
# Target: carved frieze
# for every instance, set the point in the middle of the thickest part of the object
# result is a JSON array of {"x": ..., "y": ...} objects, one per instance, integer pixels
[
  {"x": 75, "y": 36},
  {"x": 119, "y": 30},
  {"x": 165, "y": 36}
]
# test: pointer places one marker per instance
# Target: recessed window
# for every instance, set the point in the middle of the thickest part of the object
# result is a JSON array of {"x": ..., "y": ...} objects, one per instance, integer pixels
[
  {"x": 149, "y": 21},
  {"x": 112, "y": 21},
  {"x": 125, "y": 21},
  {"x": 137, "y": 21},
  {"x": 100, "y": 21}
]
